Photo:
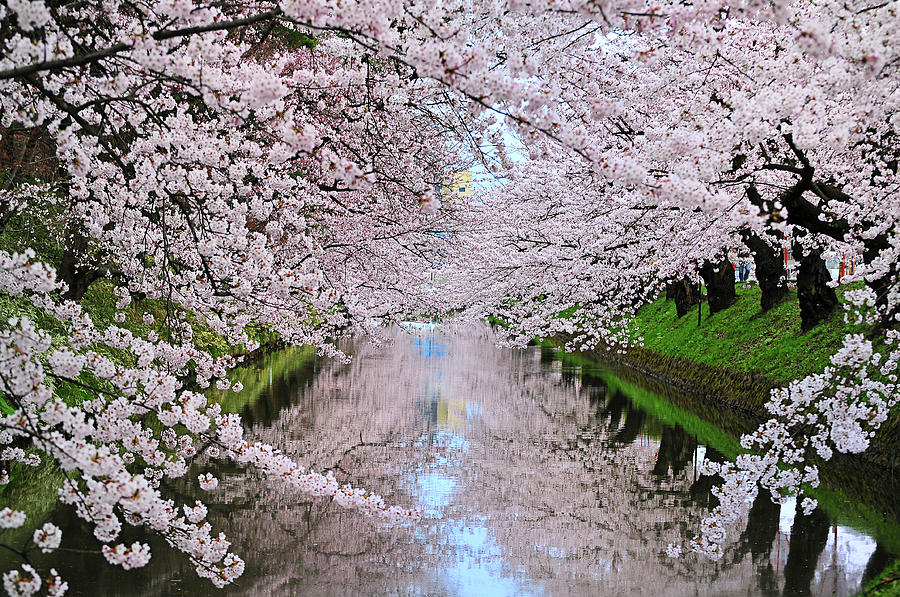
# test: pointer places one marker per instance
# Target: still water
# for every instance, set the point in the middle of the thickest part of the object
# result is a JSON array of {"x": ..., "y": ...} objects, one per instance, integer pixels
[{"x": 535, "y": 477}]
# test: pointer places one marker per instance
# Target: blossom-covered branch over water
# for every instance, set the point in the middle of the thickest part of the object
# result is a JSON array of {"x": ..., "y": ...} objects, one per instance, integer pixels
[{"x": 275, "y": 168}]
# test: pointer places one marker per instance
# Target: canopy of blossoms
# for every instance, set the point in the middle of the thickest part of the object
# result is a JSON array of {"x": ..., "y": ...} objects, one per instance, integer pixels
[{"x": 273, "y": 166}]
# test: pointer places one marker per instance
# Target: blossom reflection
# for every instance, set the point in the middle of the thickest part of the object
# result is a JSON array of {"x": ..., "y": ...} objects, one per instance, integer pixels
[{"x": 535, "y": 477}]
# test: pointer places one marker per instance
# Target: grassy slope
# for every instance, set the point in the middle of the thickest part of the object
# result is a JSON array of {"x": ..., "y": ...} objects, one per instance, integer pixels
[
  {"x": 34, "y": 489},
  {"x": 742, "y": 338},
  {"x": 885, "y": 584}
]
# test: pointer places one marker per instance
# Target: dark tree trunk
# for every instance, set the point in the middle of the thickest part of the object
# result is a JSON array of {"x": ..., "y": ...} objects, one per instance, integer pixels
[
  {"x": 811, "y": 216},
  {"x": 770, "y": 272},
  {"x": 670, "y": 291},
  {"x": 719, "y": 280},
  {"x": 685, "y": 294},
  {"x": 882, "y": 286},
  {"x": 817, "y": 299},
  {"x": 74, "y": 272},
  {"x": 676, "y": 448},
  {"x": 79, "y": 279}
]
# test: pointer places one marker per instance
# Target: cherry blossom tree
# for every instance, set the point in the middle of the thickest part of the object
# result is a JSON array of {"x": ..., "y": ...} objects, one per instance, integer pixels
[
  {"x": 222, "y": 174},
  {"x": 701, "y": 128},
  {"x": 273, "y": 165}
]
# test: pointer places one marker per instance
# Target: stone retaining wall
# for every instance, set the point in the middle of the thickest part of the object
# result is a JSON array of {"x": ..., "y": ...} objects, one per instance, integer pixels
[{"x": 733, "y": 400}]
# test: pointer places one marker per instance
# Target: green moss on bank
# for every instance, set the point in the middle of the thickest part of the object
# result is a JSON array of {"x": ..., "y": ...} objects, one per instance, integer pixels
[
  {"x": 661, "y": 408},
  {"x": 885, "y": 584},
  {"x": 256, "y": 379},
  {"x": 743, "y": 339}
]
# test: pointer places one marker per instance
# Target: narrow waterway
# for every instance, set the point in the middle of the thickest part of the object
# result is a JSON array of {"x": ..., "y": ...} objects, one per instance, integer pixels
[{"x": 535, "y": 477}]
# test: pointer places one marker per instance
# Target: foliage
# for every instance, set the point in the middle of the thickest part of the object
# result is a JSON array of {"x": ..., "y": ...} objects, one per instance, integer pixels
[
  {"x": 221, "y": 173},
  {"x": 885, "y": 583}
]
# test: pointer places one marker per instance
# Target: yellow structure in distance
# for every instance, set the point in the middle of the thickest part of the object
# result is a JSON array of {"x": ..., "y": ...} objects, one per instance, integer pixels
[{"x": 458, "y": 187}]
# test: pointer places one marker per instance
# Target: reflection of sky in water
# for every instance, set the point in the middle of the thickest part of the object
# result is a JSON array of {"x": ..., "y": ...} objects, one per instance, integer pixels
[
  {"x": 479, "y": 572},
  {"x": 853, "y": 548},
  {"x": 427, "y": 347},
  {"x": 478, "y": 569},
  {"x": 534, "y": 478},
  {"x": 434, "y": 490}
]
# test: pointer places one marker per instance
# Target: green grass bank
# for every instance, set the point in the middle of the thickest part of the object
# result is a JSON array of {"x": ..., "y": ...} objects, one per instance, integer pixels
[
  {"x": 886, "y": 584},
  {"x": 34, "y": 489},
  {"x": 724, "y": 368},
  {"x": 741, "y": 338},
  {"x": 735, "y": 357}
]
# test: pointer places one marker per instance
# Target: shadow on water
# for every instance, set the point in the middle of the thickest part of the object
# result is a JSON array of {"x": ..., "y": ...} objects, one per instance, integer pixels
[{"x": 537, "y": 477}]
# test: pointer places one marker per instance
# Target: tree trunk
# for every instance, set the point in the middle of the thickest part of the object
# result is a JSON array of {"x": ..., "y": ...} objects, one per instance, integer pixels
[
  {"x": 79, "y": 278},
  {"x": 685, "y": 294},
  {"x": 809, "y": 536},
  {"x": 719, "y": 280},
  {"x": 810, "y": 216},
  {"x": 817, "y": 299},
  {"x": 882, "y": 286},
  {"x": 73, "y": 270},
  {"x": 770, "y": 272},
  {"x": 762, "y": 526}
]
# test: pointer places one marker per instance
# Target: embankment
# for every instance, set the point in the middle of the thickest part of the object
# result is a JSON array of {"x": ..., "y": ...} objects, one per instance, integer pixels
[{"x": 727, "y": 365}]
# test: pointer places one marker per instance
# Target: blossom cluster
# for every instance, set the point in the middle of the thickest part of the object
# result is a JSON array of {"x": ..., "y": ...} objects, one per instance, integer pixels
[
  {"x": 838, "y": 410},
  {"x": 121, "y": 460},
  {"x": 208, "y": 161}
]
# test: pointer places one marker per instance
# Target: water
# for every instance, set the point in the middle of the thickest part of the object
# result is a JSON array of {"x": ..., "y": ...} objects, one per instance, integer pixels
[{"x": 536, "y": 478}]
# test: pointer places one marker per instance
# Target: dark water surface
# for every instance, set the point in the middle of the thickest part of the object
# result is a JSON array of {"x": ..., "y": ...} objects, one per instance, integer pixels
[{"x": 536, "y": 478}]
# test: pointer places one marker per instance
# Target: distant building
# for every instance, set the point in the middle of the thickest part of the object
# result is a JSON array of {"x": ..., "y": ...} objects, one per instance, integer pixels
[{"x": 458, "y": 187}]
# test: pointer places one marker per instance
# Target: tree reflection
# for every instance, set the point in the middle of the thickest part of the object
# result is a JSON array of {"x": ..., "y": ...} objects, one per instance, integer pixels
[
  {"x": 758, "y": 539},
  {"x": 634, "y": 423},
  {"x": 615, "y": 405},
  {"x": 676, "y": 449},
  {"x": 279, "y": 394},
  {"x": 701, "y": 488},
  {"x": 809, "y": 535},
  {"x": 535, "y": 478}
]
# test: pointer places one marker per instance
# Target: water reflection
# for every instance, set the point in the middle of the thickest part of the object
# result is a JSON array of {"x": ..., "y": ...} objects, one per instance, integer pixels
[
  {"x": 809, "y": 535},
  {"x": 536, "y": 478}
]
